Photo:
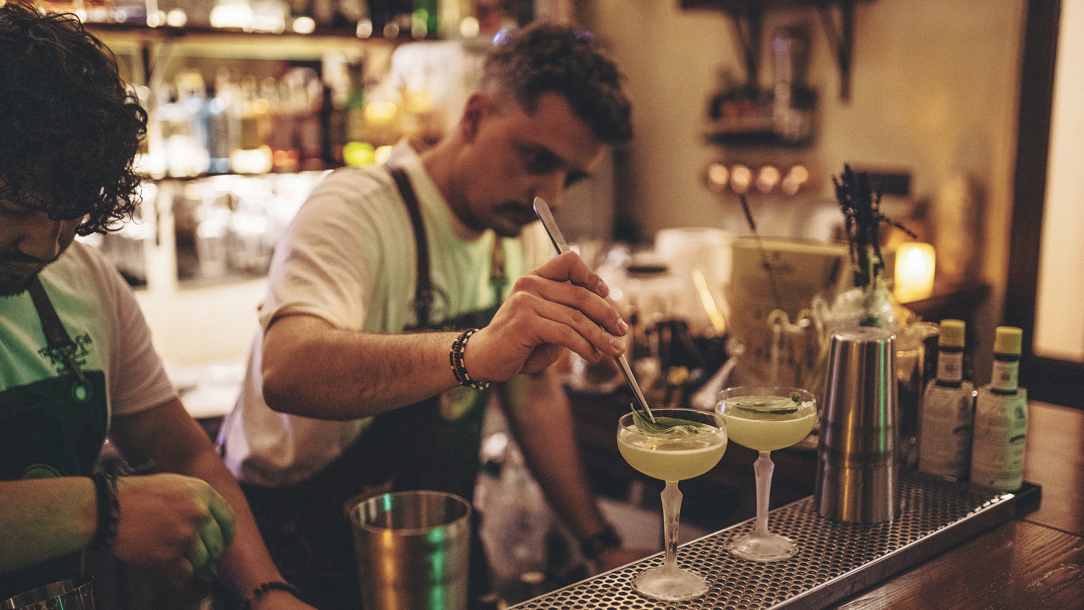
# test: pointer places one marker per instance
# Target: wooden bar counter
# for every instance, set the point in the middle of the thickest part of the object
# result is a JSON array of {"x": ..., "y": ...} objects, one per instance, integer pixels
[{"x": 1034, "y": 560}]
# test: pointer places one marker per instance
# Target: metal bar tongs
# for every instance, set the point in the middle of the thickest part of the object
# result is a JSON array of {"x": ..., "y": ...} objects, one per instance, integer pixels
[{"x": 546, "y": 216}]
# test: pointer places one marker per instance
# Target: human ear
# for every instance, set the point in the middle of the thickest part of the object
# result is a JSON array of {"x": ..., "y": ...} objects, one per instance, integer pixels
[{"x": 477, "y": 107}]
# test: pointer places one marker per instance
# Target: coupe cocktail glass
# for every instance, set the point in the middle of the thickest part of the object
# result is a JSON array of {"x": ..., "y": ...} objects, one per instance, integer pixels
[
  {"x": 673, "y": 454},
  {"x": 766, "y": 418}
]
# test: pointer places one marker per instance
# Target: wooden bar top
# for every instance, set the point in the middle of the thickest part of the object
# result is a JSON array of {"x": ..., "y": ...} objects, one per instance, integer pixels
[{"x": 1033, "y": 561}]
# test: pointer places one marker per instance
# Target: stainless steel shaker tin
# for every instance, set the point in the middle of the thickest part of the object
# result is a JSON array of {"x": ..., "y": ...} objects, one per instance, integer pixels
[{"x": 857, "y": 466}]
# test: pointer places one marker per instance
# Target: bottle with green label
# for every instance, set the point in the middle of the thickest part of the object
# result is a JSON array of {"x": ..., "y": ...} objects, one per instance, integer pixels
[
  {"x": 948, "y": 410},
  {"x": 1001, "y": 419}
]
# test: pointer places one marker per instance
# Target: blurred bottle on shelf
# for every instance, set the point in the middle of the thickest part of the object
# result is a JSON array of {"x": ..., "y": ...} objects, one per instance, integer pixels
[
  {"x": 285, "y": 156},
  {"x": 251, "y": 114},
  {"x": 793, "y": 101},
  {"x": 306, "y": 94},
  {"x": 183, "y": 150},
  {"x": 220, "y": 125},
  {"x": 425, "y": 20},
  {"x": 350, "y": 15},
  {"x": 357, "y": 150}
]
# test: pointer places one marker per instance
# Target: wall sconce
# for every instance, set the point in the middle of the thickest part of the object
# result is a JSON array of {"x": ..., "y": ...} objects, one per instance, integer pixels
[{"x": 915, "y": 265}]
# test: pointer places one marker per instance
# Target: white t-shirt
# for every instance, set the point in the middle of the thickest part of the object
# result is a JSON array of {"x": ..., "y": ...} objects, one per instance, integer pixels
[
  {"x": 349, "y": 258},
  {"x": 102, "y": 317}
]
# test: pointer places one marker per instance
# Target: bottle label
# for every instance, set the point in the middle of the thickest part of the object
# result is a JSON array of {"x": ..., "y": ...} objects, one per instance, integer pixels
[
  {"x": 950, "y": 366},
  {"x": 997, "y": 456},
  {"x": 1005, "y": 375},
  {"x": 944, "y": 446}
]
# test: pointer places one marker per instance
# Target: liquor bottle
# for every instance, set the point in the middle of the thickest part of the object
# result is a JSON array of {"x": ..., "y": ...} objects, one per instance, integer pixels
[
  {"x": 948, "y": 410},
  {"x": 1001, "y": 419},
  {"x": 251, "y": 155},
  {"x": 218, "y": 123}
]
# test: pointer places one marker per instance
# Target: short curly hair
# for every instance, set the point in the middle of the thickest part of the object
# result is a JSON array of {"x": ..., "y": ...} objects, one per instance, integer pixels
[
  {"x": 69, "y": 127},
  {"x": 553, "y": 58}
]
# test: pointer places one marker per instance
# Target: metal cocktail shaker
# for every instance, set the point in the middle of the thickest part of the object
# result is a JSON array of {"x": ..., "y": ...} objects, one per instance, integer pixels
[{"x": 857, "y": 467}]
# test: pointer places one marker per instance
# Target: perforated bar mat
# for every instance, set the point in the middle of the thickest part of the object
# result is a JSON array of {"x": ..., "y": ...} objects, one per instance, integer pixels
[{"x": 834, "y": 559}]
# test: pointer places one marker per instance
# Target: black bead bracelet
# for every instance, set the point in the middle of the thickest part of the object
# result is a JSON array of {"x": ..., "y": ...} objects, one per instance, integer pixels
[
  {"x": 274, "y": 585},
  {"x": 459, "y": 367},
  {"x": 105, "y": 488}
]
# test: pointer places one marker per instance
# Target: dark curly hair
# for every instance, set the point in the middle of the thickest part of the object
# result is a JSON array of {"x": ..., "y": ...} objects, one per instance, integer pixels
[
  {"x": 69, "y": 127},
  {"x": 550, "y": 58}
]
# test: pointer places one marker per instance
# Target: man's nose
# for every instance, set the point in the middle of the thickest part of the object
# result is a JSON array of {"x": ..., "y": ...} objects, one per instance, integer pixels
[{"x": 41, "y": 237}]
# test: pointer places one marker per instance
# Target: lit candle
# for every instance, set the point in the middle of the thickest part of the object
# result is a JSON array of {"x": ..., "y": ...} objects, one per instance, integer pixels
[{"x": 914, "y": 271}]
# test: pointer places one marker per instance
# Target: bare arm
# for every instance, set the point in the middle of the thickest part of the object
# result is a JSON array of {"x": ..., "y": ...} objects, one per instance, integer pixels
[
  {"x": 540, "y": 417},
  {"x": 167, "y": 439},
  {"x": 313, "y": 369},
  {"x": 162, "y": 516},
  {"x": 30, "y": 534}
]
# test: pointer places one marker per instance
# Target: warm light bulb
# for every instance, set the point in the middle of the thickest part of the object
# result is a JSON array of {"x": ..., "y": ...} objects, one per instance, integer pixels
[
  {"x": 718, "y": 176},
  {"x": 767, "y": 178},
  {"x": 740, "y": 178},
  {"x": 915, "y": 265},
  {"x": 304, "y": 25}
]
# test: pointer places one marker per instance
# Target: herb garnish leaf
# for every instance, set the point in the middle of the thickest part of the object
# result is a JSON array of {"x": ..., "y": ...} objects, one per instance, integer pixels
[{"x": 662, "y": 425}]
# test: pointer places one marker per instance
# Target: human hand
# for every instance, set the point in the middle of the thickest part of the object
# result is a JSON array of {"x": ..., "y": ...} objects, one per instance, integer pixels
[
  {"x": 172, "y": 524},
  {"x": 560, "y": 304}
]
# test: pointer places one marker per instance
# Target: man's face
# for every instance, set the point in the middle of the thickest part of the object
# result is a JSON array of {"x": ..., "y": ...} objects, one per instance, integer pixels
[
  {"x": 29, "y": 240},
  {"x": 512, "y": 157}
]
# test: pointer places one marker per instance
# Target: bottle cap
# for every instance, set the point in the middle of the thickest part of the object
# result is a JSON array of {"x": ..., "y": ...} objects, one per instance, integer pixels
[
  {"x": 1007, "y": 340},
  {"x": 952, "y": 333}
]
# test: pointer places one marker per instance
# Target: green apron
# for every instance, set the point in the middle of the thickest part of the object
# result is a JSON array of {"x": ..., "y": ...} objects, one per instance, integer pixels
[
  {"x": 431, "y": 445},
  {"x": 51, "y": 428}
]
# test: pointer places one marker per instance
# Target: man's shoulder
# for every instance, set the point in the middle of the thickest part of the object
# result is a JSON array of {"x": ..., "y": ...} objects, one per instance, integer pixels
[
  {"x": 356, "y": 182},
  {"x": 81, "y": 258}
]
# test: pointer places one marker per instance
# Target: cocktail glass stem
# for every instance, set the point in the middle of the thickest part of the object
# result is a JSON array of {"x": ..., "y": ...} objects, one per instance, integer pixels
[
  {"x": 763, "y": 468},
  {"x": 671, "y": 513}
]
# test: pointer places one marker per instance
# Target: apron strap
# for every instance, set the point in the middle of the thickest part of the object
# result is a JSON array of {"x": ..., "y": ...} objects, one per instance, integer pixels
[
  {"x": 423, "y": 291},
  {"x": 55, "y": 333}
]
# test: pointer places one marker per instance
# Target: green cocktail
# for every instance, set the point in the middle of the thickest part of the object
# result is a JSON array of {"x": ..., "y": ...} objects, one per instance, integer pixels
[
  {"x": 672, "y": 454},
  {"x": 766, "y": 419}
]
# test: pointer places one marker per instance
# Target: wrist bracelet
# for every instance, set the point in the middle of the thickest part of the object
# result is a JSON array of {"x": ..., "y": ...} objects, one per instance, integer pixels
[
  {"x": 105, "y": 488},
  {"x": 274, "y": 585},
  {"x": 605, "y": 540},
  {"x": 459, "y": 368}
]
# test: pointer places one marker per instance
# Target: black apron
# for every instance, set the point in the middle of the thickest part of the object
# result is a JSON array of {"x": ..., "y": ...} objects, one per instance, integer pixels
[
  {"x": 51, "y": 428},
  {"x": 431, "y": 445}
]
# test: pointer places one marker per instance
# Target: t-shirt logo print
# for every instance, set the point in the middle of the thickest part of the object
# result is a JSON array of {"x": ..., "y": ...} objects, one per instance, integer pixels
[{"x": 61, "y": 356}]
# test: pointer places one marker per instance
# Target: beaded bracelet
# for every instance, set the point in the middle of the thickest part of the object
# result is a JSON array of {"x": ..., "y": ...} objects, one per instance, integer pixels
[
  {"x": 459, "y": 367},
  {"x": 274, "y": 585},
  {"x": 105, "y": 487}
]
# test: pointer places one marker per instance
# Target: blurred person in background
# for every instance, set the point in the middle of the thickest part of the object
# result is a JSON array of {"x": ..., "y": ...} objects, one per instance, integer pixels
[
  {"x": 400, "y": 292},
  {"x": 76, "y": 362}
]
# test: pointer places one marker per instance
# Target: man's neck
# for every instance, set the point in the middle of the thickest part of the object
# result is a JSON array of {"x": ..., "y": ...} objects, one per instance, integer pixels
[{"x": 440, "y": 163}]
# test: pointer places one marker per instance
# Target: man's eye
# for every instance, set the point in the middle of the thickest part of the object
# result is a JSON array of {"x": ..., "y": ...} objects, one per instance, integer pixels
[
  {"x": 540, "y": 162},
  {"x": 574, "y": 177}
]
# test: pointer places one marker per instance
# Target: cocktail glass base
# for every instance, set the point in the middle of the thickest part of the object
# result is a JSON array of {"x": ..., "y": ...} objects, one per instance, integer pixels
[
  {"x": 671, "y": 584},
  {"x": 765, "y": 547}
]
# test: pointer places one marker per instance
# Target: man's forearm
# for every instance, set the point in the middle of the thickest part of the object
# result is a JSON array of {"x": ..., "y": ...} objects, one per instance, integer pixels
[
  {"x": 45, "y": 518},
  {"x": 313, "y": 369},
  {"x": 541, "y": 419}
]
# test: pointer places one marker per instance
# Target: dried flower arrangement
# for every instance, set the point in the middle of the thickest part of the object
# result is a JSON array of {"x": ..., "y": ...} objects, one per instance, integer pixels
[{"x": 863, "y": 219}]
